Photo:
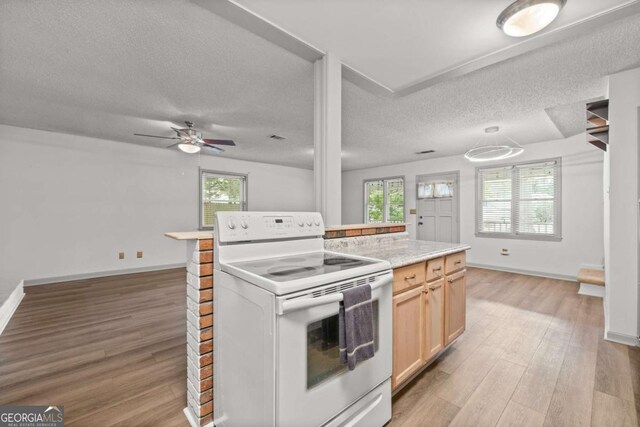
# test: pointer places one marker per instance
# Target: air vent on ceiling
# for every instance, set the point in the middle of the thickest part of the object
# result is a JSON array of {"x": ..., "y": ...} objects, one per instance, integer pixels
[
  {"x": 277, "y": 137},
  {"x": 426, "y": 152}
]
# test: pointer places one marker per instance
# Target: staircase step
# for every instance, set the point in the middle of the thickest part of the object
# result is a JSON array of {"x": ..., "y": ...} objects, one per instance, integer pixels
[{"x": 591, "y": 276}]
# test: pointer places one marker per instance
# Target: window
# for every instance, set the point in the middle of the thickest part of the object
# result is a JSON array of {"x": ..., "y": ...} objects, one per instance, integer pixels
[
  {"x": 384, "y": 200},
  {"x": 520, "y": 201},
  {"x": 435, "y": 189},
  {"x": 220, "y": 191}
]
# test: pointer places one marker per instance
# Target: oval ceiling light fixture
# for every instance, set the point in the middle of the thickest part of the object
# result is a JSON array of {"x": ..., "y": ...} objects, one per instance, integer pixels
[
  {"x": 525, "y": 17},
  {"x": 489, "y": 152},
  {"x": 189, "y": 148}
]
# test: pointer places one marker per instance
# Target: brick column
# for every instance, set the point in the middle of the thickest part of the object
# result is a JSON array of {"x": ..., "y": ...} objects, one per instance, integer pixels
[{"x": 200, "y": 330}]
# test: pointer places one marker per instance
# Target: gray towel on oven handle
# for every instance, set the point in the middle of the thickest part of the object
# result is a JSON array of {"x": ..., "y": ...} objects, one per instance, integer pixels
[{"x": 355, "y": 326}]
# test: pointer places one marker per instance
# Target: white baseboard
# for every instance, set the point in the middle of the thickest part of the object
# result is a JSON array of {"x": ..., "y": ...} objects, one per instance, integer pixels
[
  {"x": 593, "y": 266},
  {"x": 11, "y": 305},
  {"x": 527, "y": 272},
  {"x": 622, "y": 338},
  {"x": 192, "y": 420},
  {"x": 71, "y": 277},
  {"x": 591, "y": 290}
]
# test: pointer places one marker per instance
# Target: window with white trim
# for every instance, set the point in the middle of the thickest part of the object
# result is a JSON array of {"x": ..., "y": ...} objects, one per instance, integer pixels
[
  {"x": 220, "y": 191},
  {"x": 384, "y": 200},
  {"x": 521, "y": 201}
]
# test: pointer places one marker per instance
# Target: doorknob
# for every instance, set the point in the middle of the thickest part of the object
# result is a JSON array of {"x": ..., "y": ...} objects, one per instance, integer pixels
[{"x": 419, "y": 223}]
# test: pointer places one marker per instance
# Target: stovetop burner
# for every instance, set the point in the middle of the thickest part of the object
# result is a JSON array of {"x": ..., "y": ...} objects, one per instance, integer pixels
[
  {"x": 341, "y": 261},
  {"x": 301, "y": 266},
  {"x": 288, "y": 271}
]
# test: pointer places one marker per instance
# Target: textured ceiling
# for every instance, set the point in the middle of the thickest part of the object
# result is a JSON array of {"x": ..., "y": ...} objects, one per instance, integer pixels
[
  {"x": 515, "y": 94},
  {"x": 402, "y": 42},
  {"x": 109, "y": 69}
]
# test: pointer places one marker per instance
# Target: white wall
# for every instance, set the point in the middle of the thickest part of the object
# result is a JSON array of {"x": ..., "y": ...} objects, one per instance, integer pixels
[
  {"x": 621, "y": 236},
  {"x": 582, "y": 208},
  {"x": 70, "y": 203}
]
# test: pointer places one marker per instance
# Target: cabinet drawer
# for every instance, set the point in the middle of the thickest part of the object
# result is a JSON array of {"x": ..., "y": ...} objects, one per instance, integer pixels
[
  {"x": 435, "y": 269},
  {"x": 408, "y": 277},
  {"x": 454, "y": 262}
]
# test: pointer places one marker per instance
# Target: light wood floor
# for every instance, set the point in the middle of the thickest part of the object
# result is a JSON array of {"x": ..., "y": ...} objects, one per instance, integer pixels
[
  {"x": 532, "y": 355},
  {"x": 112, "y": 351}
]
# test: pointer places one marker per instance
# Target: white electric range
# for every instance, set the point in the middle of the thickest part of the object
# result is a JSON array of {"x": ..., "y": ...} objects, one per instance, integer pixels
[{"x": 277, "y": 294}]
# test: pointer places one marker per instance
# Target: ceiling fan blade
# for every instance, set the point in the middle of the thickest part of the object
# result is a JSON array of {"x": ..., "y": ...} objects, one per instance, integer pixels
[
  {"x": 181, "y": 132},
  {"x": 219, "y": 141},
  {"x": 212, "y": 149},
  {"x": 156, "y": 136}
]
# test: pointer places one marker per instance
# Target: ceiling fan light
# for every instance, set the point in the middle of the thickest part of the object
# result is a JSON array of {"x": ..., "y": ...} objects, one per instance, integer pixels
[
  {"x": 189, "y": 148},
  {"x": 525, "y": 17}
]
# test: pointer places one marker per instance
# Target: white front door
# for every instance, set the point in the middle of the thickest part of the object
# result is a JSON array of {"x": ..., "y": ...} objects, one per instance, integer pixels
[{"x": 438, "y": 210}]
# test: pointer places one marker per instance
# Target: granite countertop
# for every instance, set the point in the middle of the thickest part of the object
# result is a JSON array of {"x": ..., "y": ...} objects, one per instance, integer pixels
[{"x": 400, "y": 252}]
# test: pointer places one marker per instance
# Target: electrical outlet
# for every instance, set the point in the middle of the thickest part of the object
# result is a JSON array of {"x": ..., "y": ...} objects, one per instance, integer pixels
[
  {"x": 120, "y": 255},
  {"x": 504, "y": 252},
  {"x": 139, "y": 254}
]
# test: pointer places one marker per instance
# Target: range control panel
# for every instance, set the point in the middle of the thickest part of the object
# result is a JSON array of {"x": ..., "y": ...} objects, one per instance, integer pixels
[{"x": 252, "y": 226}]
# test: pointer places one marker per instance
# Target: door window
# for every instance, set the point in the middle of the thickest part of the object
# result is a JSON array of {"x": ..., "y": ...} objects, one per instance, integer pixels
[{"x": 323, "y": 352}]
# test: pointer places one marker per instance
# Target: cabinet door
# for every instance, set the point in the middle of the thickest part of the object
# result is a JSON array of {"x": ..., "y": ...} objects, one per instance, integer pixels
[
  {"x": 408, "y": 334},
  {"x": 434, "y": 318},
  {"x": 455, "y": 305}
]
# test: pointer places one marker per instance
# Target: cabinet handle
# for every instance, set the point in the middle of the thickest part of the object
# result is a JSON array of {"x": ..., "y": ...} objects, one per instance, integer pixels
[
  {"x": 437, "y": 269},
  {"x": 410, "y": 277},
  {"x": 456, "y": 276},
  {"x": 458, "y": 262},
  {"x": 434, "y": 287},
  {"x": 426, "y": 291}
]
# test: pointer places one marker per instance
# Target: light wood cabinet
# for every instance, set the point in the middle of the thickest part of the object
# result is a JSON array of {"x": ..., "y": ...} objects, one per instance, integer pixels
[
  {"x": 455, "y": 305},
  {"x": 435, "y": 269},
  {"x": 429, "y": 306},
  {"x": 408, "y": 334},
  {"x": 408, "y": 277},
  {"x": 454, "y": 262},
  {"x": 434, "y": 318}
]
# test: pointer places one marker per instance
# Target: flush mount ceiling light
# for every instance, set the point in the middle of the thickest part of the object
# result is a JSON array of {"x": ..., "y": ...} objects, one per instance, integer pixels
[
  {"x": 188, "y": 147},
  {"x": 493, "y": 150},
  {"x": 525, "y": 17}
]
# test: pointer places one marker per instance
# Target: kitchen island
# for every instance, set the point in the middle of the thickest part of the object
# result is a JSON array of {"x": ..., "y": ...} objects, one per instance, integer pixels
[{"x": 429, "y": 295}]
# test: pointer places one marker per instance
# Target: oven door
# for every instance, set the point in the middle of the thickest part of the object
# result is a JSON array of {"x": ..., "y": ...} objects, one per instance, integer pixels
[{"x": 312, "y": 385}]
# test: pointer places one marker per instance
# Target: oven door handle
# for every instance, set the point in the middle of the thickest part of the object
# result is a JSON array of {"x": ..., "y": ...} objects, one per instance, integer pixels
[{"x": 287, "y": 306}]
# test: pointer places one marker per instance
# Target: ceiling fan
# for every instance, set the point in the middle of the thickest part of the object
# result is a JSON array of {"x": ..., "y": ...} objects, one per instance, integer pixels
[{"x": 191, "y": 140}]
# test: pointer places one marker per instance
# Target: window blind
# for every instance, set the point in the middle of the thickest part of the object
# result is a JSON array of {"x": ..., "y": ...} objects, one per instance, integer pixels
[
  {"x": 535, "y": 204},
  {"x": 520, "y": 200},
  {"x": 495, "y": 189}
]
